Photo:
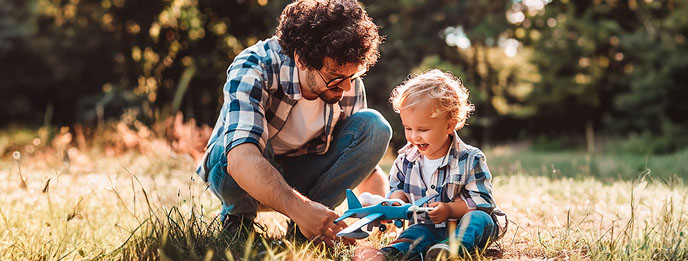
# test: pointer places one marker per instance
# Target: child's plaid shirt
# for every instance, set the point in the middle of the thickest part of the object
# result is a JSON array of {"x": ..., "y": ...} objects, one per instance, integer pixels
[{"x": 463, "y": 173}]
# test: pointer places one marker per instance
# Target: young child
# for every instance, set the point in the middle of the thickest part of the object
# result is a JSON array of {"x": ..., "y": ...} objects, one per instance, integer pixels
[{"x": 433, "y": 106}]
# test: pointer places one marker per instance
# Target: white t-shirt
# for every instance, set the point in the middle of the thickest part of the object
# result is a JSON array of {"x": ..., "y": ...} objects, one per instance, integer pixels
[
  {"x": 428, "y": 168},
  {"x": 305, "y": 122}
]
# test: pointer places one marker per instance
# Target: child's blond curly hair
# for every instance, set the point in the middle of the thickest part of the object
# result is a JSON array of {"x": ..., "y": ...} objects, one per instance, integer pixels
[{"x": 445, "y": 92}]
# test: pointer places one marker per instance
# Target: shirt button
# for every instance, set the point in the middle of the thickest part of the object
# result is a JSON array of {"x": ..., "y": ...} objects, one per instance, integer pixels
[{"x": 432, "y": 186}]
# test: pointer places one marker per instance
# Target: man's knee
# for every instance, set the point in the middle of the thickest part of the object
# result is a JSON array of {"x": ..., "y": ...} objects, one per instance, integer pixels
[
  {"x": 377, "y": 126},
  {"x": 222, "y": 183}
]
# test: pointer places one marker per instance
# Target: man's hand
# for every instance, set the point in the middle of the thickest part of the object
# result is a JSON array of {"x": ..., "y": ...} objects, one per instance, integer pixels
[
  {"x": 316, "y": 221},
  {"x": 263, "y": 182},
  {"x": 440, "y": 213}
]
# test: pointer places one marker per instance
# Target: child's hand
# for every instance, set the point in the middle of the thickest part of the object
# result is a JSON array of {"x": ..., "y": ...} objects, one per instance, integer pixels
[{"x": 440, "y": 213}]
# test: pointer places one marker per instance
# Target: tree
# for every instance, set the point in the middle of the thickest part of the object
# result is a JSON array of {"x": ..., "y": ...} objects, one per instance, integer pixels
[
  {"x": 413, "y": 43},
  {"x": 653, "y": 108}
]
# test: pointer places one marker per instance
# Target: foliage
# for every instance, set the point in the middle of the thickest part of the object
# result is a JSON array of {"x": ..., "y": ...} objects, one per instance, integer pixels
[
  {"x": 90, "y": 60},
  {"x": 616, "y": 67},
  {"x": 654, "y": 107},
  {"x": 411, "y": 42}
]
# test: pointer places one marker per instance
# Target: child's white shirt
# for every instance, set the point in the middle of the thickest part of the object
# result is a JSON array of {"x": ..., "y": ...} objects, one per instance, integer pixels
[{"x": 428, "y": 168}]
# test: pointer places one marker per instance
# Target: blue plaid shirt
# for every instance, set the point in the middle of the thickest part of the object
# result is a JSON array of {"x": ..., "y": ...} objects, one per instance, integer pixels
[
  {"x": 261, "y": 89},
  {"x": 462, "y": 173}
]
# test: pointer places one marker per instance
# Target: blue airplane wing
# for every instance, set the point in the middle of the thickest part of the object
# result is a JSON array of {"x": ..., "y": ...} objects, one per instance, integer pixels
[
  {"x": 357, "y": 234},
  {"x": 346, "y": 215},
  {"x": 353, "y": 230}
]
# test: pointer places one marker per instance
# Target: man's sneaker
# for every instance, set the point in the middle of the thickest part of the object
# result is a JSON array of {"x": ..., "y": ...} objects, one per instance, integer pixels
[
  {"x": 237, "y": 226},
  {"x": 438, "y": 252}
]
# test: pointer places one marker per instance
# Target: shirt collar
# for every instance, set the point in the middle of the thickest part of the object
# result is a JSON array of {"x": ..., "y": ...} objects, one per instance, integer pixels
[
  {"x": 455, "y": 149},
  {"x": 288, "y": 73}
]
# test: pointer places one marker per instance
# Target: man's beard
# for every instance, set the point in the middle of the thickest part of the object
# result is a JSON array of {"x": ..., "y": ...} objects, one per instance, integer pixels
[{"x": 329, "y": 99}]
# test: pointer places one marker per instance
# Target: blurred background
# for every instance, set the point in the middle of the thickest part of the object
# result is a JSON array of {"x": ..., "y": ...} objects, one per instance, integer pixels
[
  {"x": 597, "y": 75},
  {"x": 105, "y": 104}
]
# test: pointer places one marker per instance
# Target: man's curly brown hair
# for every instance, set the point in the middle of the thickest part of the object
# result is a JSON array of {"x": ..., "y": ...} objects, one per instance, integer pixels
[{"x": 339, "y": 29}]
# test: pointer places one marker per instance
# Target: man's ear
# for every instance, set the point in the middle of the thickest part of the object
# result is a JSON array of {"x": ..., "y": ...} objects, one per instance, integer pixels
[{"x": 299, "y": 65}]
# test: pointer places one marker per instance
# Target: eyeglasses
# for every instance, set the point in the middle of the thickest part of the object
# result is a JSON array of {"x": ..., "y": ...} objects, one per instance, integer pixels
[{"x": 331, "y": 84}]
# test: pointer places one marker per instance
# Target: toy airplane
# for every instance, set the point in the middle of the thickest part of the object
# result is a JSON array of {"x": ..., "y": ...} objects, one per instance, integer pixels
[{"x": 382, "y": 211}]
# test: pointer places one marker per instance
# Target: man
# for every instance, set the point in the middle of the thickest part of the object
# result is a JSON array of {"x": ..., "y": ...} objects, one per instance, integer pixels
[{"x": 294, "y": 132}]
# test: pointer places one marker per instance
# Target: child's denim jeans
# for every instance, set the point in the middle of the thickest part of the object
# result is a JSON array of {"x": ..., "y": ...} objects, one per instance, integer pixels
[
  {"x": 473, "y": 231},
  {"x": 358, "y": 144}
]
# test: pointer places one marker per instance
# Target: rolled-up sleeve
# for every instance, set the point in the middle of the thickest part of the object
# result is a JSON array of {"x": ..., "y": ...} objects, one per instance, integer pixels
[
  {"x": 478, "y": 189},
  {"x": 244, "y": 96}
]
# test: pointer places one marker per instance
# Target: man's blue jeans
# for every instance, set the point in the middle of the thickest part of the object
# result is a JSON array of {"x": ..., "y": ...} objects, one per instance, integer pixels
[
  {"x": 474, "y": 231},
  {"x": 358, "y": 144}
]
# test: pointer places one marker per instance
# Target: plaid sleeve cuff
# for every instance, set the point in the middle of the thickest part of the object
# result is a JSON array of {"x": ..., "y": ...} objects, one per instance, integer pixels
[{"x": 238, "y": 142}]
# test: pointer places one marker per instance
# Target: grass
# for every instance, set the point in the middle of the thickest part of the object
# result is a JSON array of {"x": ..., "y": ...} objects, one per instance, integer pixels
[
  {"x": 575, "y": 164},
  {"x": 150, "y": 205}
]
